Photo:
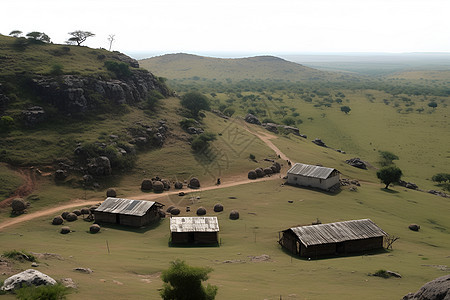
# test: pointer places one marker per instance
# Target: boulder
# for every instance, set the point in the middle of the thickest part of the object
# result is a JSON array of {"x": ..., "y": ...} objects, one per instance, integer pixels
[
  {"x": 268, "y": 171},
  {"x": 319, "y": 142},
  {"x": 169, "y": 209},
  {"x": 94, "y": 228},
  {"x": 29, "y": 277},
  {"x": 65, "y": 230},
  {"x": 85, "y": 211},
  {"x": 77, "y": 212},
  {"x": 146, "y": 185},
  {"x": 71, "y": 217},
  {"x": 64, "y": 214},
  {"x": 178, "y": 185},
  {"x": 249, "y": 118},
  {"x": 18, "y": 205},
  {"x": 272, "y": 127},
  {"x": 60, "y": 174},
  {"x": 158, "y": 186},
  {"x": 33, "y": 116},
  {"x": 252, "y": 175},
  {"x": 234, "y": 215},
  {"x": 259, "y": 172},
  {"x": 100, "y": 166},
  {"x": 414, "y": 227},
  {"x": 111, "y": 193},
  {"x": 166, "y": 184},
  {"x": 69, "y": 283},
  {"x": 218, "y": 207},
  {"x": 58, "y": 220},
  {"x": 175, "y": 211},
  {"x": 194, "y": 183},
  {"x": 357, "y": 163},
  {"x": 278, "y": 166},
  {"x": 201, "y": 211},
  {"x": 437, "y": 289}
]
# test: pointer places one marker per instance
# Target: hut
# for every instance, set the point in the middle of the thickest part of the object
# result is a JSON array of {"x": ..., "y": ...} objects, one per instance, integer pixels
[
  {"x": 334, "y": 238},
  {"x": 313, "y": 176},
  {"x": 194, "y": 230},
  {"x": 127, "y": 212}
]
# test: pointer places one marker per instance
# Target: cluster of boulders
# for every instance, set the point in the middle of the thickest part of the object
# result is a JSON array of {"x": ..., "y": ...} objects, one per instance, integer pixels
[
  {"x": 261, "y": 172},
  {"x": 408, "y": 185},
  {"x": 348, "y": 182},
  {"x": 144, "y": 135},
  {"x": 85, "y": 213},
  {"x": 357, "y": 163},
  {"x": 201, "y": 211},
  {"x": 159, "y": 185},
  {"x": 18, "y": 206},
  {"x": 33, "y": 115},
  {"x": 439, "y": 193},
  {"x": 272, "y": 127},
  {"x": 319, "y": 142}
]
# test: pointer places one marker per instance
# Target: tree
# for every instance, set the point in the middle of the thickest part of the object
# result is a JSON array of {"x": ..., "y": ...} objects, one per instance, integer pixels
[
  {"x": 346, "y": 109},
  {"x": 79, "y": 37},
  {"x": 195, "y": 101},
  {"x": 16, "y": 33},
  {"x": 432, "y": 104},
  {"x": 111, "y": 39},
  {"x": 441, "y": 177},
  {"x": 387, "y": 158},
  {"x": 183, "y": 282},
  {"x": 389, "y": 174},
  {"x": 38, "y": 36}
]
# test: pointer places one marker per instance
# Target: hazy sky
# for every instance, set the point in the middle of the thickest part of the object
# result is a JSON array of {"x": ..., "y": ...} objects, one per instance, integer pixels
[{"x": 240, "y": 26}]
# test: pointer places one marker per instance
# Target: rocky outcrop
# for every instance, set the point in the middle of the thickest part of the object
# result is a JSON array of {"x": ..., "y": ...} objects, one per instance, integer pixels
[
  {"x": 73, "y": 94},
  {"x": 357, "y": 163},
  {"x": 319, "y": 142},
  {"x": 249, "y": 118},
  {"x": 33, "y": 116},
  {"x": 437, "y": 289},
  {"x": 27, "y": 278},
  {"x": 408, "y": 185},
  {"x": 100, "y": 166},
  {"x": 275, "y": 128}
]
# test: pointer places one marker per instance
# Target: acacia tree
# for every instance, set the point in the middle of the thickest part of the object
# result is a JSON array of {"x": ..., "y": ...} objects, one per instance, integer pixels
[
  {"x": 38, "y": 36},
  {"x": 389, "y": 174},
  {"x": 16, "y": 33},
  {"x": 183, "y": 282},
  {"x": 195, "y": 101},
  {"x": 346, "y": 109},
  {"x": 79, "y": 37}
]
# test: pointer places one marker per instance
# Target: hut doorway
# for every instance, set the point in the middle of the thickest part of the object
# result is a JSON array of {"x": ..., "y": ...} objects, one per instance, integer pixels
[
  {"x": 117, "y": 219},
  {"x": 191, "y": 237},
  {"x": 340, "y": 248}
]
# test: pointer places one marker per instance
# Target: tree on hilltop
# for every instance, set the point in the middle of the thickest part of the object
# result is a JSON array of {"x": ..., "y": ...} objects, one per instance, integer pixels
[
  {"x": 389, "y": 174},
  {"x": 38, "y": 37},
  {"x": 79, "y": 37},
  {"x": 16, "y": 33}
]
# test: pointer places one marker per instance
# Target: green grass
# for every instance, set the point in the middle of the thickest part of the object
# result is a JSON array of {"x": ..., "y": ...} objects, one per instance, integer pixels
[{"x": 10, "y": 181}]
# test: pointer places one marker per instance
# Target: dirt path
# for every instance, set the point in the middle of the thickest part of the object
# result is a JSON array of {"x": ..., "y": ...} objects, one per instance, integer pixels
[
  {"x": 29, "y": 178},
  {"x": 227, "y": 182}
]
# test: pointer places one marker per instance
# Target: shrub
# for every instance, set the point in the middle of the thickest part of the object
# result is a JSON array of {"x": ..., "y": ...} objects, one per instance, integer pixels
[
  {"x": 251, "y": 156},
  {"x": 441, "y": 177},
  {"x": 120, "y": 69},
  {"x": 19, "y": 255},
  {"x": 182, "y": 281},
  {"x": 194, "y": 102},
  {"x": 48, "y": 292},
  {"x": 229, "y": 111},
  {"x": 188, "y": 122},
  {"x": 289, "y": 121},
  {"x": 381, "y": 273},
  {"x": 6, "y": 123},
  {"x": 201, "y": 142},
  {"x": 57, "y": 70},
  {"x": 387, "y": 158}
]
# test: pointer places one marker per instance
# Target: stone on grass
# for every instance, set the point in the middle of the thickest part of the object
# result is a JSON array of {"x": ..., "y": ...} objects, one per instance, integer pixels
[
  {"x": 414, "y": 227},
  {"x": 64, "y": 215},
  {"x": 65, "y": 230},
  {"x": 259, "y": 172},
  {"x": 178, "y": 185},
  {"x": 194, "y": 183},
  {"x": 438, "y": 288},
  {"x": 29, "y": 277},
  {"x": 158, "y": 186},
  {"x": 252, "y": 175},
  {"x": 146, "y": 185},
  {"x": 169, "y": 209},
  {"x": 111, "y": 193},
  {"x": 77, "y": 212},
  {"x": 71, "y": 217},
  {"x": 201, "y": 211},
  {"x": 18, "y": 205},
  {"x": 218, "y": 207},
  {"x": 234, "y": 215},
  {"x": 85, "y": 211},
  {"x": 58, "y": 220},
  {"x": 175, "y": 211},
  {"x": 94, "y": 228}
]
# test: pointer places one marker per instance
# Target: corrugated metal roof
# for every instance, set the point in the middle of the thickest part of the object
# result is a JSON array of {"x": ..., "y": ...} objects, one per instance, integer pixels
[
  {"x": 126, "y": 206},
  {"x": 310, "y": 171},
  {"x": 194, "y": 224},
  {"x": 337, "y": 232}
]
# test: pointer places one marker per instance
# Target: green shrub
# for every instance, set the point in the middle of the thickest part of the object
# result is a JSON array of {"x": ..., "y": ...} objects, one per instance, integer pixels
[
  {"x": 120, "y": 69},
  {"x": 251, "y": 156},
  {"x": 182, "y": 281},
  {"x": 19, "y": 255},
  {"x": 289, "y": 121},
  {"x": 47, "y": 292},
  {"x": 188, "y": 122},
  {"x": 6, "y": 123},
  {"x": 229, "y": 111},
  {"x": 387, "y": 158},
  {"x": 381, "y": 273},
  {"x": 441, "y": 177},
  {"x": 201, "y": 142},
  {"x": 57, "y": 70}
]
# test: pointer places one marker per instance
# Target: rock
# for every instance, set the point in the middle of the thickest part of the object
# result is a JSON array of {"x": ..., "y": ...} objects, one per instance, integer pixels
[
  {"x": 169, "y": 209},
  {"x": 219, "y": 113},
  {"x": 194, "y": 183},
  {"x": 126, "y": 59},
  {"x": 437, "y": 289},
  {"x": 94, "y": 228},
  {"x": 319, "y": 142},
  {"x": 83, "y": 270},
  {"x": 71, "y": 217},
  {"x": 234, "y": 215},
  {"x": 259, "y": 172},
  {"x": 414, "y": 227},
  {"x": 60, "y": 175},
  {"x": 277, "y": 166},
  {"x": 58, "y": 220},
  {"x": 158, "y": 186},
  {"x": 272, "y": 127},
  {"x": 181, "y": 194},
  {"x": 29, "y": 277},
  {"x": 268, "y": 171},
  {"x": 100, "y": 166},
  {"x": 393, "y": 274},
  {"x": 201, "y": 211},
  {"x": 249, "y": 118},
  {"x": 408, "y": 185},
  {"x": 111, "y": 193},
  {"x": 35, "y": 265},
  {"x": 85, "y": 211},
  {"x": 175, "y": 211},
  {"x": 146, "y": 185},
  {"x": 33, "y": 116},
  {"x": 193, "y": 130},
  {"x": 68, "y": 283},
  {"x": 291, "y": 129},
  {"x": 218, "y": 207},
  {"x": 77, "y": 212},
  {"x": 357, "y": 163},
  {"x": 64, "y": 214},
  {"x": 178, "y": 185},
  {"x": 252, "y": 175},
  {"x": 65, "y": 230},
  {"x": 166, "y": 184},
  {"x": 18, "y": 205}
]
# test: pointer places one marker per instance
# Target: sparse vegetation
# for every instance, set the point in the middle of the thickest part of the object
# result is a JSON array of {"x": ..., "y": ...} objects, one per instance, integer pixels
[
  {"x": 19, "y": 255},
  {"x": 47, "y": 292}
]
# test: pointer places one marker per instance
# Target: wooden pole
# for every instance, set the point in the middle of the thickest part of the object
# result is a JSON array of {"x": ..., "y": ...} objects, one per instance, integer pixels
[{"x": 107, "y": 246}]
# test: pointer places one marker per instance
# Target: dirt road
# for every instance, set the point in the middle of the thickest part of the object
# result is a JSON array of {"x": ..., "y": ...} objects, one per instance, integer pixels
[{"x": 227, "y": 182}]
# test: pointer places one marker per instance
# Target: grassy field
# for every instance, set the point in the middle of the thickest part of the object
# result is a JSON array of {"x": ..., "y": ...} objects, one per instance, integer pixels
[
  {"x": 10, "y": 181},
  {"x": 138, "y": 255}
]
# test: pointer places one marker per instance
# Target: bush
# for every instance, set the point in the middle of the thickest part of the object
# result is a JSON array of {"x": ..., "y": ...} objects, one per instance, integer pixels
[
  {"x": 120, "y": 69},
  {"x": 289, "y": 121},
  {"x": 6, "y": 123},
  {"x": 381, "y": 273},
  {"x": 387, "y": 158},
  {"x": 182, "y": 281},
  {"x": 57, "y": 70},
  {"x": 188, "y": 122},
  {"x": 229, "y": 111},
  {"x": 47, "y": 292},
  {"x": 251, "y": 156},
  {"x": 441, "y": 177},
  {"x": 201, "y": 142},
  {"x": 194, "y": 102},
  {"x": 19, "y": 255}
]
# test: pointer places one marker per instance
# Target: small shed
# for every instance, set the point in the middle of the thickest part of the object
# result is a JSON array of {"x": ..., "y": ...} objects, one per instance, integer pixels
[
  {"x": 334, "y": 238},
  {"x": 313, "y": 176},
  {"x": 128, "y": 212},
  {"x": 194, "y": 230}
]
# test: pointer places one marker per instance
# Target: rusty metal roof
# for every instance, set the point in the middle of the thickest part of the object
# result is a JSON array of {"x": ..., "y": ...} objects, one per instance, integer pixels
[
  {"x": 194, "y": 224},
  {"x": 126, "y": 206},
  {"x": 311, "y": 171},
  {"x": 337, "y": 232}
]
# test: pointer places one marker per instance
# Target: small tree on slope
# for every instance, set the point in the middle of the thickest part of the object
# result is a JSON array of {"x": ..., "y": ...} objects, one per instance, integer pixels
[{"x": 389, "y": 174}]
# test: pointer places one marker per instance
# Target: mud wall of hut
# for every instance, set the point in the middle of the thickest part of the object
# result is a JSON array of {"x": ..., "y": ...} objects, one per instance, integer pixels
[
  {"x": 194, "y": 237},
  {"x": 324, "y": 184}
]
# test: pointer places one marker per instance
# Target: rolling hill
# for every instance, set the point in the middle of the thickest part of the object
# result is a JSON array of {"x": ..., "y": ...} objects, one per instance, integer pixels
[{"x": 181, "y": 65}]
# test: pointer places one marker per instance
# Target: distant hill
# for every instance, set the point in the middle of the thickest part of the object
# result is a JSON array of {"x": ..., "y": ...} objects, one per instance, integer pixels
[{"x": 183, "y": 66}]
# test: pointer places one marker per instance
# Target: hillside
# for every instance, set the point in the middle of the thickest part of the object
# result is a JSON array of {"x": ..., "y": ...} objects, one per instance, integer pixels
[{"x": 188, "y": 66}]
